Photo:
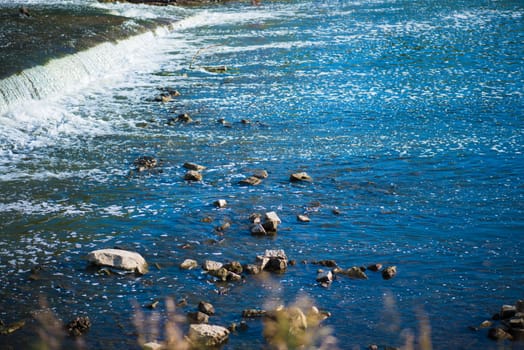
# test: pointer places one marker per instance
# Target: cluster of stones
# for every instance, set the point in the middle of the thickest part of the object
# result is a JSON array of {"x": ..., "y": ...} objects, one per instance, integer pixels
[
  {"x": 326, "y": 277},
  {"x": 266, "y": 225},
  {"x": 510, "y": 325}
]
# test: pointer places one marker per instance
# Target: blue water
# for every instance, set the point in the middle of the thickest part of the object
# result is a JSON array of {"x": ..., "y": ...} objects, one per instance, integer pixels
[{"x": 408, "y": 115}]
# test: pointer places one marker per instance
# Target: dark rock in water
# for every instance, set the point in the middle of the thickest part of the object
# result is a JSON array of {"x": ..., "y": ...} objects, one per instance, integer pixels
[
  {"x": 374, "y": 267},
  {"x": 78, "y": 326},
  {"x": 250, "y": 181},
  {"x": 302, "y": 176},
  {"x": 24, "y": 12},
  {"x": 193, "y": 175},
  {"x": 271, "y": 222},
  {"x": 193, "y": 166},
  {"x": 222, "y": 273},
  {"x": 258, "y": 230},
  {"x": 507, "y": 311},
  {"x": 353, "y": 272},
  {"x": 273, "y": 260},
  {"x": 206, "y": 308},
  {"x": 144, "y": 163},
  {"x": 325, "y": 277},
  {"x": 197, "y": 317},
  {"x": 252, "y": 269},
  {"x": 326, "y": 263},
  {"x": 11, "y": 328},
  {"x": 234, "y": 266},
  {"x": 498, "y": 333},
  {"x": 389, "y": 272},
  {"x": 181, "y": 118},
  {"x": 519, "y": 305},
  {"x": 252, "y": 313}
]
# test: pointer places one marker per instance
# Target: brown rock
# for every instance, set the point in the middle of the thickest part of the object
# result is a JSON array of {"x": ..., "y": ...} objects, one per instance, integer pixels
[
  {"x": 374, "y": 267},
  {"x": 206, "y": 308},
  {"x": 389, "y": 272},
  {"x": 250, "y": 181},
  {"x": 207, "y": 335},
  {"x": 197, "y": 317},
  {"x": 193, "y": 175},
  {"x": 301, "y": 176},
  {"x": 189, "y": 264},
  {"x": 193, "y": 166},
  {"x": 303, "y": 218}
]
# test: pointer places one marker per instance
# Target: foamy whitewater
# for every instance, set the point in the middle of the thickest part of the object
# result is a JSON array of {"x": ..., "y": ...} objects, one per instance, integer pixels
[{"x": 406, "y": 114}]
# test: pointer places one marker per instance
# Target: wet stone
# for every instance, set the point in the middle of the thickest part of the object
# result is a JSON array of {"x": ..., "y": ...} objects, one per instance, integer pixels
[
  {"x": 389, "y": 272},
  {"x": 208, "y": 335},
  {"x": 210, "y": 265},
  {"x": 301, "y": 176},
  {"x": 197, "y": 317},
  {"x": 193, "y": 175},
  {"x": 206, "y": 308},
  {"x": 189, "y": 264},
  {"x": 193, "y": 166},
  {"x": 78, "y": 326}
]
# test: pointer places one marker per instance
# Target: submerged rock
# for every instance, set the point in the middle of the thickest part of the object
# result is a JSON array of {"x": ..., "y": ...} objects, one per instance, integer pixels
[
  {"x": 144, "y": 163},
  {"x": 78, "y": 326},
  {"x": 197, "y": 317},
  {"x": 208, "y": 335},
  {"x": 119, "y": 259}
]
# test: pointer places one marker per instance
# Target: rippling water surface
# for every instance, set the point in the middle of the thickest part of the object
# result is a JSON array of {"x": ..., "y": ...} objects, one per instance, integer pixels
[{"x": 407, "y": 115}]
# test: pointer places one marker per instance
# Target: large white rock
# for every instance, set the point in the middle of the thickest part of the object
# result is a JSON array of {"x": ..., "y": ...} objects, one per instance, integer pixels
[
  {"x": 118, "y": 259},
  {"x": 208, "y": 335}
]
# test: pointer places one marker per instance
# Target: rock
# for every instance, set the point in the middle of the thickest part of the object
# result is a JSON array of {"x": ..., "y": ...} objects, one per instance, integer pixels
[
  {"x": 374, "y": 267},
  {"x": 221, "y": 203},
  {"x": 193, "y": 166},
  {"x": 519, "y": 305},
  {"x": 197, "y": 317},
  {"x": 231, "y": 276},
  {"x": 119, "y": 259},
  {"x": 255, "y": 218},
  {"x": 258, "y": 230},
  {"x": 325, "y": 277},
  {"x": 208, "y": 335},
  {"x": 234, "y": 266},
  {"x": 261, "y": 174},
  {"x": 485, "y": 324},
  {"x": 252, "y": 269},
  {"x": 326, "y": 263},
  {"x": 302, "y": 176},
  {"x": 497, "y": 333},
  {"x": 507, "y": 311},
  {"x": 273, "y": 260},
  {"x": 144, "y": 163},
  {"x": 271, "y": 222},
  {"x": 206, "y": 308},
  {"x": 216, "y": 69},
  {"x": 252, "y": 313},
  {"x": 78, "y": 326},
  {"x": 193, "y": 175},
  {"x": 250, "y": 181},
  {"x": 303, "y": 218},
  {"x": 389, "y": 272},
  {"x": 356, "y": 272},
  {"x": 152, "y": 345},
  {"x": 24, "y": 12},
  {"x": 189, "y": 264},
  {"x": 210, "y": 265},
  {"x": 184, "y": 118},
  {"x": 222, "y": 273}
]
